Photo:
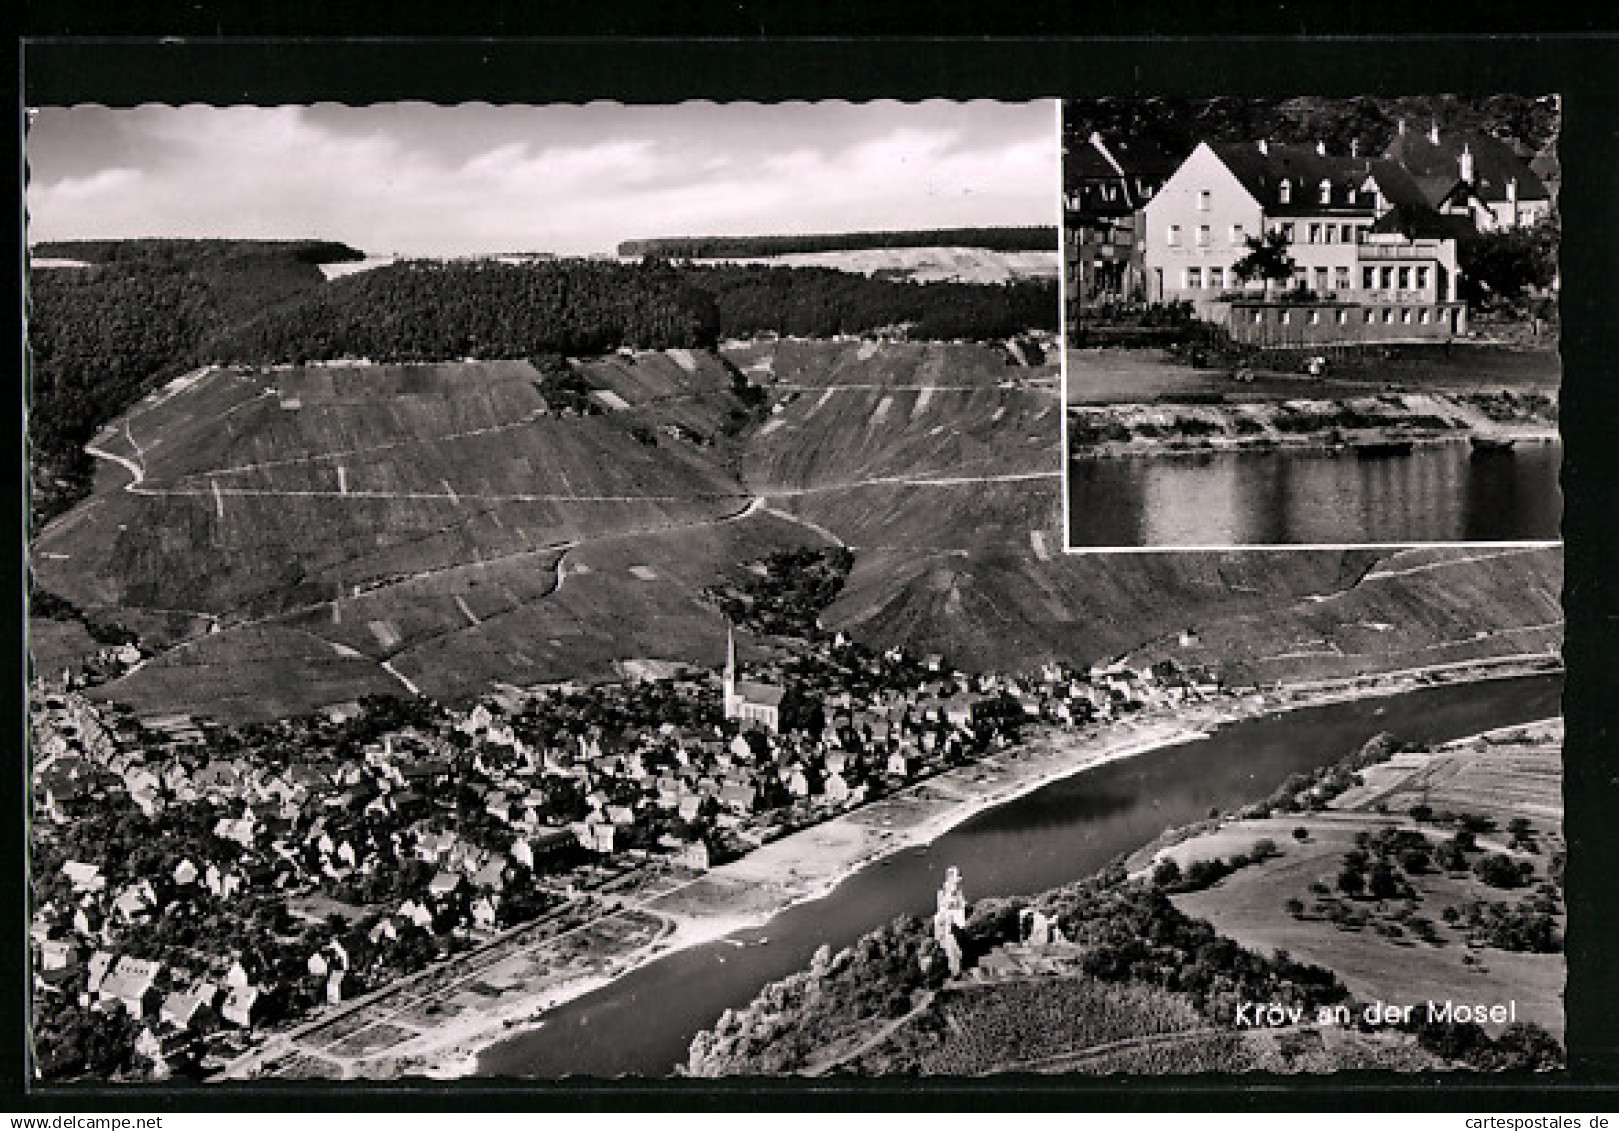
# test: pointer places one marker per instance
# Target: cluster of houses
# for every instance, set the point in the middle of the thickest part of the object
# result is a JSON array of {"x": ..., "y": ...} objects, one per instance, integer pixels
[
  {"x": 479, "y": 813},
  {"x": 1372, "y": 238}
]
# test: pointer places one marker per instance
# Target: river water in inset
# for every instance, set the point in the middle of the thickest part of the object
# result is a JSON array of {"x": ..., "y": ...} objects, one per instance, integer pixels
[
  {"x": 643, "y": 1023},
  {"x": 1435, "y": 493}
]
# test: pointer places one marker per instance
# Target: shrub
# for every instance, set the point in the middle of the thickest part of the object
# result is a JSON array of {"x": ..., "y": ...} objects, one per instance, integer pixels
[{"x": 1499, "y": 871}]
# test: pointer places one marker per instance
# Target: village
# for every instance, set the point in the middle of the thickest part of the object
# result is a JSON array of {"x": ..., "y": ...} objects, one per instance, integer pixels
[{"x": 203, "y": 887}]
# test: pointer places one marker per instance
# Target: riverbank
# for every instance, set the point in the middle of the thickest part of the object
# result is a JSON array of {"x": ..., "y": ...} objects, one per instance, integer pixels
[
  {"x": 1328, "y": 424},
  {"x": 439, "y": 1025},
  {"x": 1120, "y": 375}
]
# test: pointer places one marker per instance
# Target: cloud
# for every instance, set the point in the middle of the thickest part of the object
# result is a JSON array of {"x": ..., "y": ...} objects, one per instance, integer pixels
[{"x": 431, "y": 180}]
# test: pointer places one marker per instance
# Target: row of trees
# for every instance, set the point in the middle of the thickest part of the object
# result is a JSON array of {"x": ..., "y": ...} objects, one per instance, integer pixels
[
  {"x": 434, "y": 311},
  {"x": 818, "y": 302}
]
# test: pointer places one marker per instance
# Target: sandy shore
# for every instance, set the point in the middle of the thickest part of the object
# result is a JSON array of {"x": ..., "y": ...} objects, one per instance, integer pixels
[{"x": 803, "y": 866}]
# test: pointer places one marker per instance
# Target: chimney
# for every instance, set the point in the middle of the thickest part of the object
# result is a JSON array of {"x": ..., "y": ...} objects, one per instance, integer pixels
[
  {"x": 1264, "y": 146},
  {"x": 1433, "y": 132},
  {"x": 1321, "y": 148},
  {"x": 1465, "y": 161}
]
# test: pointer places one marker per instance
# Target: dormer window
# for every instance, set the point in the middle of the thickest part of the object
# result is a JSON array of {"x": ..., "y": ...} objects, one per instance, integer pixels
[
  {"x": 1326, "y": 191},
  {"x": 1284, "y": 192}
]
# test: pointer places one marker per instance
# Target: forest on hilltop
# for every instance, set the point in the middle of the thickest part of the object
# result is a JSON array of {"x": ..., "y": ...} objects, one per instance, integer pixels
[
  {"x": 102, "y": 336},
  {"x": 1176, "y": 125}
]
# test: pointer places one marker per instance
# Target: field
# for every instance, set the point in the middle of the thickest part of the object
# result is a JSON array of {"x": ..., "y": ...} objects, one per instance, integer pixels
[
  {"x": 1378, "y": 949},
  {"x": 925, "y": 264},
  {"x": 287, "y": 538}
]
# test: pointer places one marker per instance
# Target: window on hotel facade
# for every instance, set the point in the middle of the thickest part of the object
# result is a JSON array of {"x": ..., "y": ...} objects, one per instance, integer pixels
[
  {"x": 1202, "y": 235},
  {"x": 1287, "y": 316},
  {"x": 1315, "y": 233},
  {"x": 1346, "y": 233},
  {"x": 1259, "y": 316},
  {"x": 1287, "y": 232},
  {"x": 1388, "y": 315},
  {"x": 1423, "y": 317},
  {"x": 1405, "y": 316},
  {"x": 1405, "y": 278},
  {"x": 1203, "y": 200},
  {"x": 1217, "y": 278},
  {"x": 1173, "y": 237},
  {"x": 1330, "y": 232},
  {"x": 1422, "y": 278},
  {"x": 1368, "y": 318},
  {"x": 1194, "y": 278},
  {"x": 1368, "y": 279},
  {"x": 1340, "y": 278},
  {"x": 1236, "y": 233},
  {"x": 1388, "y": 278},
  {"x": 1343, "y": 318},
  {"x": 1320, "y": 278},
  {"x": 1315, "y": 318}
]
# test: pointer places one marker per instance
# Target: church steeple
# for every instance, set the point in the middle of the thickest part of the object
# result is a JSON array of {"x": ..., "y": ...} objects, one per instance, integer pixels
[{"x": 730, "y": 665}]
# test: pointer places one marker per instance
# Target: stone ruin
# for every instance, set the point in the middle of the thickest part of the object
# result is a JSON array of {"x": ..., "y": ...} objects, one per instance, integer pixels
[{"x": 1036, "y": 930}]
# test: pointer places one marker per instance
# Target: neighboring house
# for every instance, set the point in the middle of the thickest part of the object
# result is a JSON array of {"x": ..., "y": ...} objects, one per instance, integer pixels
[
  {"x": 193, "y": 1008},
  {"x": 243, "y": 1006},
  {"x": 1105, "y": 185},
  {"x": 133, "y": 981},
  {"x": 1475, "y": 175}
]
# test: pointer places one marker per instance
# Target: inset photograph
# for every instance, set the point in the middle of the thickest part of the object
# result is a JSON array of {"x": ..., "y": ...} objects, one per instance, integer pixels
[{"x": 1311, "y": 322}]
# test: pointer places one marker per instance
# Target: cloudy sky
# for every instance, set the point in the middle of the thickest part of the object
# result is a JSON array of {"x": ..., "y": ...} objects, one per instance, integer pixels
[{"x": 425, "y": 180}]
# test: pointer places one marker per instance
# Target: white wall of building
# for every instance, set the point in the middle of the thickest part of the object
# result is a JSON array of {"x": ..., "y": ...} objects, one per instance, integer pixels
[{"x": 1202, "y": 196}]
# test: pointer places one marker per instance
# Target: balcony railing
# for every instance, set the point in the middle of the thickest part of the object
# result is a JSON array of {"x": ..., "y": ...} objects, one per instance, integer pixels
[
  {"x": 1396, "y": 251},
  {"x": 1395, "y": 297}
]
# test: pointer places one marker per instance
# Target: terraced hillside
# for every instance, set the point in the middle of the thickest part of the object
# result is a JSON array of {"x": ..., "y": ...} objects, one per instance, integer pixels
[{"x": 290, "y": 537}]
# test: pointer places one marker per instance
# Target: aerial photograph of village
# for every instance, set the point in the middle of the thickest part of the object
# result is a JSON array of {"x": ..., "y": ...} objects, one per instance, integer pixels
[
  {"x": 585, "y": 591},
  {"x": 1312, "y": 321}
]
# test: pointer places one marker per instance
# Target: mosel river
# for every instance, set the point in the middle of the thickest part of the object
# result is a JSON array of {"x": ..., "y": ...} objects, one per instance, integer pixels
[
  {"x": 643, "y": 1023},
  {"x": 1434, "y": 493}
]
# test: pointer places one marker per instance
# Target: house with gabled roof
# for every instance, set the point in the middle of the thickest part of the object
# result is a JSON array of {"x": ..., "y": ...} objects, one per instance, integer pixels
[
  {"x": 1106, "y": 182},
  {"x": 243, "y": 1006},
  {"x": 192, "y": 1008},
  {"x": 133, "y": 982},
  {"x": 1365, "y": 276}
]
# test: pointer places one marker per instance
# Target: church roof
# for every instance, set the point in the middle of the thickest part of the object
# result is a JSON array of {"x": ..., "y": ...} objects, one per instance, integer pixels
[{"x": 761, "y": 694}]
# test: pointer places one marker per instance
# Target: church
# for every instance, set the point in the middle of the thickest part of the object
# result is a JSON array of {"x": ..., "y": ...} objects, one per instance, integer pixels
[{"x": 757, "y": 703}]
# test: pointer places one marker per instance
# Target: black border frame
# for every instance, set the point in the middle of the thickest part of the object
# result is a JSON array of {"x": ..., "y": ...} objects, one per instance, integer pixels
[{"x": 576, "y": 61}]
